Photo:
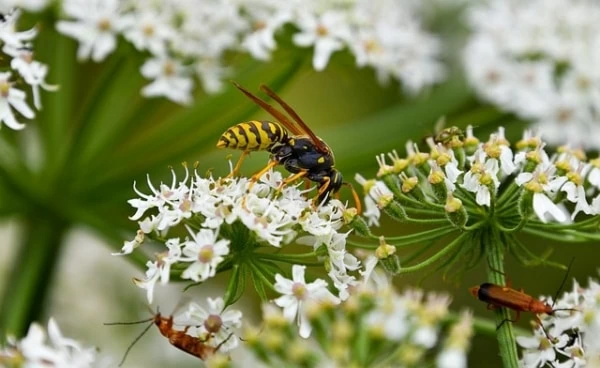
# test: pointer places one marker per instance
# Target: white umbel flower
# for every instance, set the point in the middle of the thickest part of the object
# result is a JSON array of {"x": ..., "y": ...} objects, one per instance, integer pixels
[{"x": 298, "y": 294}]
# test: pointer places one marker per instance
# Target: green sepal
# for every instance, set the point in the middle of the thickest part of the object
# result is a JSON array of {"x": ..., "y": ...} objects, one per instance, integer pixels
[
  {"x": 395, "y": 211},
  {"x": 458, "y": 218},
  {"x": 391, "y": 264}
]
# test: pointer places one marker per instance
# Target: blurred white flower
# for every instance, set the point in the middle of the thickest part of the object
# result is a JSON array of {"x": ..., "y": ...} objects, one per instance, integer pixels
[
  {"x": 12, "y": 98},
  {"x": 38, "y": 350},
  {"x": 96, "y": 26},
  {"x": 171, "y": 79},
  {"x": 327, "y": 32},
  {"x": 298, "y": 294},
  {"x": 537, "y": 59}
]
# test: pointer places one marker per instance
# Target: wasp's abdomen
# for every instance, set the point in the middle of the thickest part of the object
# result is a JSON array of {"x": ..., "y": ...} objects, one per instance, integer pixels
[{"x": 253, "y": 136}]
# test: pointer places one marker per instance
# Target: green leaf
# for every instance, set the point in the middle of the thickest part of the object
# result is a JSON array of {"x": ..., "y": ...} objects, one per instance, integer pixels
[
  {"x": 182, "y": 134},
  {"x": 56, "y": 118},
  {"x": 237, "y": 284},
  {"x": 259, "y": 286}
]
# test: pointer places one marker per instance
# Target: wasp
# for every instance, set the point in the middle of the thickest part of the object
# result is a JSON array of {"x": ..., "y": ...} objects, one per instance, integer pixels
[
  {"x": 291, "y": 143},
  {"x": 195, "y": 346}
]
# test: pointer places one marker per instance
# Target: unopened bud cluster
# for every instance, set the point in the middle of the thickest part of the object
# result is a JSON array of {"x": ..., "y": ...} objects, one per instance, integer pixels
[{"x": 471, "y": 190}]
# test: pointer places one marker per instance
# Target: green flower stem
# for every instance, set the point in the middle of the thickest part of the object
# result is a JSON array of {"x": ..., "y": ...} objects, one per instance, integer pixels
[
  {"x": 591, "y": 222},
  {"x": 29, "y": 281},
  {"x": 508, "y": 196},
  {"x": 355, "y": 244},
  {"x": 475, "y": 226},
  {"x": 446, "y": 250},
  {"x": 281, "y": 256},
  {"x": 421, "y": 236},
  {"x": 485, "y": 326},
  {"x": 261, "y": 273},
  {"x": 581, "y": 234},
  {"x": 420, "y": 211},
  {"x": 505, "y": 334},
  {"x": 556, "y": 235},
  {"x": 466, "y": 197},
  {"x": 515, "y": 229},
  {"x": 438, "y": 221}
]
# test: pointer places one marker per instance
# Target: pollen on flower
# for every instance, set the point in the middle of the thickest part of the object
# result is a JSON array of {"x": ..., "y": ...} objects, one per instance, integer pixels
[
  {"x": 409, "y": 183},
  {"x": 206, "y": 254},
  {"x": 299, "y": 290},
  {"x": 213, "y": 323},
  {"x": 104, "y": 24}
]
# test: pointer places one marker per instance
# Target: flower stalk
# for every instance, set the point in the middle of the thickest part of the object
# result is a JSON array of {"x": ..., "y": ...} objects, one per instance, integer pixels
[
  {"x": 507, "y": 343},
  {"x": 39, "y": 249}
]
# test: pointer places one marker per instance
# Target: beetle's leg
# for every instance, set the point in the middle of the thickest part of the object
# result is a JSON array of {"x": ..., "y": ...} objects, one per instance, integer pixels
[{"x": 517, "y": 317}]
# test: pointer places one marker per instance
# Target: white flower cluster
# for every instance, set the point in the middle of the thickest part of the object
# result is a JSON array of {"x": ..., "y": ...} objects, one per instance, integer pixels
[
  {"x": 186, "y": 38},
  {"x": 215, "y": 211},
  {"x": 539, "y": 60},
  {"x": 17, "y": 48},
  {"x": 566, "y": 177},
  {"x": 58, "y": 351},
  {"x": 401, "y": 329},
  {"x": 573, "y": 337}
]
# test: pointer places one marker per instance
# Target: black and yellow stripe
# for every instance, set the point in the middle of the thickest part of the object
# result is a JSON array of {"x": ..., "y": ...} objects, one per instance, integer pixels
[{"x": 253, "y": 136}]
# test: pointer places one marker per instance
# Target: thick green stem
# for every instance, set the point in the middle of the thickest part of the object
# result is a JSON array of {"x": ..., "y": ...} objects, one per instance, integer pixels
[
  {"x": 25, "y": 295},
  {"x": 507, "y": 343}
]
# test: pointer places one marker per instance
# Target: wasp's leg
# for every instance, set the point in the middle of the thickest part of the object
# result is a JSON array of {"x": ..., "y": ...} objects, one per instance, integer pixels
[
  {"x": 517, "y": 317},
  {"x": 292, "y": 178},
  {"x": 324, "y": 184},
  {"x": 238, "y": 165},
  {"x": 257, "y": 176},
  {"x": 356, "y": 198}
]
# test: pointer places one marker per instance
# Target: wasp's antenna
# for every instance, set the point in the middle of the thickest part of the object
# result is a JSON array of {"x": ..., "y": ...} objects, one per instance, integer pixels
[
  {"x": 128, "y": 323},
  {"x": 562, "y": 284},
  {"x": 134, "y": 342}
]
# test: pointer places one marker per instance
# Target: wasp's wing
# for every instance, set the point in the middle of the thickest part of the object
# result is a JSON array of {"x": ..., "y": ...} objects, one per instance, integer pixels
[
  {"x": 278, "y": 115},
  {"x": 321, "y": 147}
]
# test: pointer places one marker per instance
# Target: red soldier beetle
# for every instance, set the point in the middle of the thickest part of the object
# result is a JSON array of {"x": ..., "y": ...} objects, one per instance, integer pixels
[
  {"x": 195, "y": 346},
  {"x": 504, "y": 296}
]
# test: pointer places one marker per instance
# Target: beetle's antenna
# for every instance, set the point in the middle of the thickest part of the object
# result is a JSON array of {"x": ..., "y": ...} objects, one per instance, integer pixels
[
  {"x": 133, "y": 343},
  {"x": 562, "y": 284},
  {"x": 128, "y": 323}
]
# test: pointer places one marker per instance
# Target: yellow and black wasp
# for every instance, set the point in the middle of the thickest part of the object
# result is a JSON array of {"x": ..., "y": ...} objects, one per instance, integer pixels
[{"x": 290, "y": 142}]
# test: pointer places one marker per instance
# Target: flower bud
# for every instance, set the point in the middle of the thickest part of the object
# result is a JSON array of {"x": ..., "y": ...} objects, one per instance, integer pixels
[
  {"x": 360, "y": 227},
  {"x": 395, "y": 211},
  {"x": 455, "y": 211},
  {"x": 387, "y": 257}
]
